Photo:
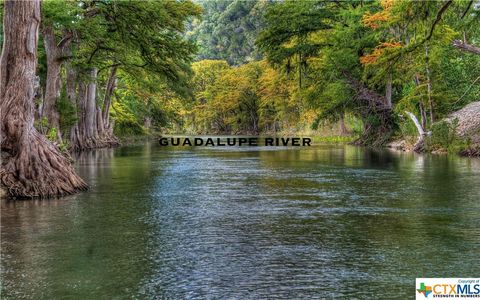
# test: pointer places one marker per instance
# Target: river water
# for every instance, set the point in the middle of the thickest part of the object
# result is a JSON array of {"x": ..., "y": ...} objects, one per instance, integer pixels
[{"x": 246, "y": 223}]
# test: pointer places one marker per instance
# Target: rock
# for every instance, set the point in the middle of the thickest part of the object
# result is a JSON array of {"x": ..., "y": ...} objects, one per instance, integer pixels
[
  {"x": 468, "y": 121},
  {"x": 472, "y": 151},
  {"x": 3, "y": 192},
  {"x": 397, "y": 145},
  {"x": 440, "y": 151}
]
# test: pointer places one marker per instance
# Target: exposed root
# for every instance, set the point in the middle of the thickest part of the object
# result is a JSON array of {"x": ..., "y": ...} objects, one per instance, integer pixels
[
  {"x": 79, "y": 142},
  {"x": 38, "y": 169}
]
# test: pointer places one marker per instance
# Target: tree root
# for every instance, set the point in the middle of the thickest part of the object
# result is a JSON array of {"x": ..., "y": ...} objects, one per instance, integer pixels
[
  {"x": 95, "y": 143},
  {"x": 79, "y": 142},
  {"x": 39, "y": 169}
]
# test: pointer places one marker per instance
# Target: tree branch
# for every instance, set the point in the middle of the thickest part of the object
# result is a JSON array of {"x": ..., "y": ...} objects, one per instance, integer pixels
[
  {"x": 439, "y": 17},
  {"x": 467, "y": 9},
  {"x": 413, "y": 47},
  {"x": 65, "y": 40},
  {"x": 466, "y": 47}
]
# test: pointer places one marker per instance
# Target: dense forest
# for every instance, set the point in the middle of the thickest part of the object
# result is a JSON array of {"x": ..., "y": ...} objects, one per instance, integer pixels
[
  {"x": 369, "y": 65},
  {"x": 78, "y": 75}
]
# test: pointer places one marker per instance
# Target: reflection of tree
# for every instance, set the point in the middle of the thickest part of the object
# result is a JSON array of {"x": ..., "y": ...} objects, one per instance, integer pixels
[{"x": 89, "y": 246}]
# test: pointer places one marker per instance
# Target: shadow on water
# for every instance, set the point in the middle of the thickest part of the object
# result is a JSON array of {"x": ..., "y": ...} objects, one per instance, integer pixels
[{"x": 281, "y": 223}]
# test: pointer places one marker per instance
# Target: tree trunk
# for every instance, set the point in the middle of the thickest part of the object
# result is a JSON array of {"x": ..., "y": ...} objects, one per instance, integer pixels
[
  {"x": 91, "y": 106},
  {"x": 81, "y": 132},
  {"x": 111, "y": 83},
  {"x": 53, "y": 82},
  {"x": 388, "y": 91},
  {"x": 429, "y": 86},
  {"x": 55, "y": 54},
  {"x": 107, "y": 125},
  {"x": 147, "y": 123},
  {"x": 423, "y": 115},
  {"x": 71, "y": 89},
  {"x": 90, "y": 131},
  {"x": 34, "y": 167},
  {"x": 343, "y": 127},
  {"x": 419, "y": 145},
  {"x": 77, "y": 141},
  {"x": 71, "y": 84}
]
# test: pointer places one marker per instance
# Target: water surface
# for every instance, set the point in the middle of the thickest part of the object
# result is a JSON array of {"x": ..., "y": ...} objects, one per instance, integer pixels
[{"x": 246, "y": 223}]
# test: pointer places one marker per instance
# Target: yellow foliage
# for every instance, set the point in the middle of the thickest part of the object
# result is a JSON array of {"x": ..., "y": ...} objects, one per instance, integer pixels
[
  {"x": 387, "y": 4},
  {"x": 229, "y": 98},
  {"x": 375, "y": 20},
  {"x": 378, "y": 52},
  {"x": 309, "y": 116}
]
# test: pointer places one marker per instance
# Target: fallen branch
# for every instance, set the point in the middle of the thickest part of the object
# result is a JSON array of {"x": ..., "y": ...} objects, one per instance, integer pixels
[
  {"x": 466, "y": 47},
  {"x": 418, "y": 147}
]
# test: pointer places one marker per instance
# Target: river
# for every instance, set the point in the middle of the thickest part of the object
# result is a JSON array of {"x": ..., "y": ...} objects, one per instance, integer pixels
[{"x": 246, "y": 223}]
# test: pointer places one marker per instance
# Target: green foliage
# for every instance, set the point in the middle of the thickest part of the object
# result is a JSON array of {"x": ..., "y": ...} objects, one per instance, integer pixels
[
  {"x": 139, "y": 36},
  {"x": 290, "y": 25},
  {"x": 145, "y": 40},
  {"x": 63, "y": 147},
  {"x": 455, "y": 79},
  {"x": 417, "y": 56},
  {"x": 444, "y": 137},
  {"x": 126, "y": 122},
  {"x": 206, "y": 72},
  {"x": 443, "y": 134},
  {"x": 322, "y": 57},
  {"x": 52, "y": 134},
  {"x": 43, "y": 122},
  {"x": 291, "y": 35},
  {"x": 408, "y": 132},
  {"x": 141, "y": 98},
  {"x": 337, "y": 139},
  {"x": 315, "y": 51},
  {"x": 61, "y": 14},
  {"x": 228, "y": 30},
  {"x": 372, "y": 42},
  {"x": 356, "y": 125}
]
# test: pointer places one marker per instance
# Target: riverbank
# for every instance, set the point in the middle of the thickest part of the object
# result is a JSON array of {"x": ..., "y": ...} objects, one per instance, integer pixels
[
  {"x": 458, "y": 133},
  {"x": 398, "y": 145},
  {"x": 404, "y": 146},
  {"x": 464, "y": 149},
  {"x": 134, "y": 140}
]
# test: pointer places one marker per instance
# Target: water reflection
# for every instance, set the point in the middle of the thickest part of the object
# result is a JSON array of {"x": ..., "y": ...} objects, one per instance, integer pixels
[{"x": 249, "y": 223}]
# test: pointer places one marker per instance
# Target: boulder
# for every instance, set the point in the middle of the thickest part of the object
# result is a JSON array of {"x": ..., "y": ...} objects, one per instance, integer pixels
[{"x": 468, "y": 121}]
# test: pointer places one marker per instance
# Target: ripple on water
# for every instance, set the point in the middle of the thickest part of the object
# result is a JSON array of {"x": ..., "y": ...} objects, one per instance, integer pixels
[{"x": 246, "y": 223}]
